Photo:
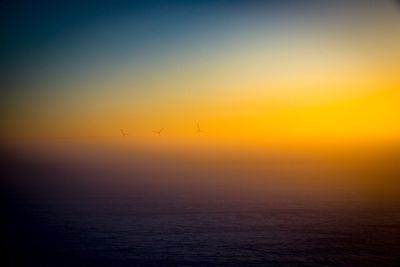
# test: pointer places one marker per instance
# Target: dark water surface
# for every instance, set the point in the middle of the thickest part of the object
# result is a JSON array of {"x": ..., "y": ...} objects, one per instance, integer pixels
[{"x": 55, "y": 224}]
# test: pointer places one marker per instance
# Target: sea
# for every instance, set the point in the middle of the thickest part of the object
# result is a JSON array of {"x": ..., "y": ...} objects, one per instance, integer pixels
[{"x": 72, "y": 213}]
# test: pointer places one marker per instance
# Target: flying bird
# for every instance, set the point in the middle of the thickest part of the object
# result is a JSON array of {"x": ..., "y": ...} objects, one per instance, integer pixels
[
  {"x": 199, "y": 130},
  {"x": 158, "y": 132},
  {"x": 123, "y": 133}
]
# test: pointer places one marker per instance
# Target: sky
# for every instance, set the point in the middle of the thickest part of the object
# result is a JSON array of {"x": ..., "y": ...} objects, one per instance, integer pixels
[
  {"x": 274, "y": 73},
  {"x": 267, "y": 108}
]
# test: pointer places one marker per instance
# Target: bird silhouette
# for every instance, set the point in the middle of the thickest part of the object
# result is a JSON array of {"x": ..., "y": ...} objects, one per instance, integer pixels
[{"x": 158, "y": 132}]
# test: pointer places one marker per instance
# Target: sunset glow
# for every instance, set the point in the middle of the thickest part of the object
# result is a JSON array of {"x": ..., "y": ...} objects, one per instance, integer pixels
[
  {"x": 200, "y": 133},
  {"x": 324, "y": 78}
]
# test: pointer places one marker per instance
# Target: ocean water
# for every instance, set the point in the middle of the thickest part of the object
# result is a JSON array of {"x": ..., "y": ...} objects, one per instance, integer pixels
[{"x": 61, "y": 215}]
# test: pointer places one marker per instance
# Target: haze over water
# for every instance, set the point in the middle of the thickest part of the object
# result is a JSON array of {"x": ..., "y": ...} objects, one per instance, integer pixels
[
  {"x": 215, "y": 133},
  {"x": 82, "y": 203}
]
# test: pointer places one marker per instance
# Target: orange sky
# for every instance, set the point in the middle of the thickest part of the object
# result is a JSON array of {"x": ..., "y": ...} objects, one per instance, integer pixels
[{"x": 323, "y": 81}]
